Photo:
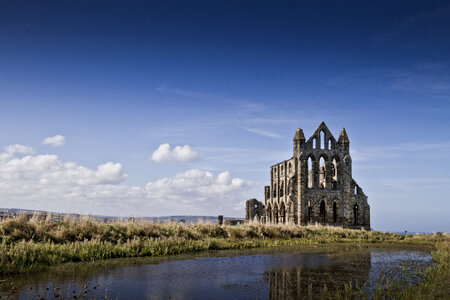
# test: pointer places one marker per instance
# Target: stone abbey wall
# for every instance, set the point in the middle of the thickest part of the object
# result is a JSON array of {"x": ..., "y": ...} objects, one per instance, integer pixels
[{"x": 315, "y": 185}]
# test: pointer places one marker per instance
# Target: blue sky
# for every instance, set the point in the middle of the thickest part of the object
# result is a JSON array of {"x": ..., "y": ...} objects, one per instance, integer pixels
[{"x": 232, "y": 80}]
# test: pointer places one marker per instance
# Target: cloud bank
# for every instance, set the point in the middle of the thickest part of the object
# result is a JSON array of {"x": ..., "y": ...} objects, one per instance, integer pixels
[
  {"x": 179, "y": 154},
  {"x": 43, "y": 181},
  {"x": 199, "y": 191},
  {"x": 54, "y": 141}
]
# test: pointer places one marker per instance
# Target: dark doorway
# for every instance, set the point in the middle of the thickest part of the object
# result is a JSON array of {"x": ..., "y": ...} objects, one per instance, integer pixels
[
  {"x": 323, "y": 214},
  {"x": 309, "y": 214}
]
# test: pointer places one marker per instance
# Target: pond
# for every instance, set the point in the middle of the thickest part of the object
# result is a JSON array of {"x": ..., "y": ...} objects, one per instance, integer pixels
[{"x": 269, "y": 273}]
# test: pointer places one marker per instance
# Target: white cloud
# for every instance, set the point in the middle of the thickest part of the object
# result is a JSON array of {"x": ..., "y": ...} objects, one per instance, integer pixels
[
  {"x": 180, "y": 154},
  {"x": 10, "y": 150},
  {"x": 43, "y": 181},
  {"x": 45, "y": 169},
  {"x": 110, "y": 173},
  {"x": 197, "y": 191},
  {"x": 54, "y": 141}
]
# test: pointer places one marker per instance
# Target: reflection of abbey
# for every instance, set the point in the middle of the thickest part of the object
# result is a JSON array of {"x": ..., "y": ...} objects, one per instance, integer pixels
[
  {"x": 306, "y": 282},
  {"x": 314, "y": 186}
]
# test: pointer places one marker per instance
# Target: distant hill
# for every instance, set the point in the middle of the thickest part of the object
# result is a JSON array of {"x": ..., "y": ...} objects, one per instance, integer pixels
[{"x": 11, "y": 212}]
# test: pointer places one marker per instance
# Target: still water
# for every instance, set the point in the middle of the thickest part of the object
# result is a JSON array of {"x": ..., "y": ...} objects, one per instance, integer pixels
[{"x": 272, "y": 273}]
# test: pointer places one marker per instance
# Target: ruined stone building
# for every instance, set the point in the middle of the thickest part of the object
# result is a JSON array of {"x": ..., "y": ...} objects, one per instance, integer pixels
[{"x": 314, "y": 186}]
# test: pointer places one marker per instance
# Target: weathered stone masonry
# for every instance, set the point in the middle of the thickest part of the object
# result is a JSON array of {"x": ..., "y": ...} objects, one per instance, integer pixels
[{"x": 314, "y": 186}]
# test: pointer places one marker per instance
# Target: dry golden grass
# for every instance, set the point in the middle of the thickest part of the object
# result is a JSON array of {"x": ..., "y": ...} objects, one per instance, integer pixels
[
  {"x": 30, "y": 244},
  {"x": 33, "y": 243}
]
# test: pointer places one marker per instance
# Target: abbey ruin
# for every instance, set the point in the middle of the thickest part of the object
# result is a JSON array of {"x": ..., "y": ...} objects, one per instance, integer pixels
[{"x": 314, "y": 186}]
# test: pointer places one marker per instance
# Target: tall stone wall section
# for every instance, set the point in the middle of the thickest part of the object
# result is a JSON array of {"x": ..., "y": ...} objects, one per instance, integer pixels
[{"x": 315, "y": 185}]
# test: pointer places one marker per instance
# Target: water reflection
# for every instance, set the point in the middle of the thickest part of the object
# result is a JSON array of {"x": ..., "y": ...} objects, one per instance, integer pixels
[
  {"x": 275, "y": 273},
  {"x": 303, "y": 282}
]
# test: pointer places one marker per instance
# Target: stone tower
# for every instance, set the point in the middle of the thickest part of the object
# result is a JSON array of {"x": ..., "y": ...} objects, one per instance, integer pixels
[{"x": 316, "y": 185}]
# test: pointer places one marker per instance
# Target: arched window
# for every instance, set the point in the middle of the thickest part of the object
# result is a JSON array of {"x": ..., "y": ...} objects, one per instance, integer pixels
[
  {"x": 334, "y": 169},
  {"x": 355, "y": 214},
  {"x": 334, "y": 212},
  {"x": 322, "y": 140},
  {"x": 310, "y": 173},
  {"x": 356, "y": 190},
  {"x": 323, "y": 212},
  {"x": 274, "y": 191},
  {"x": 290, "y": 168},
  {"x": 334, "y": 172},
  {"x": 314, "y": 142},
  {"x": 323, "y": 173},
  {"x": 281, "y": 189},
  {"x": 329, "y": 144}
]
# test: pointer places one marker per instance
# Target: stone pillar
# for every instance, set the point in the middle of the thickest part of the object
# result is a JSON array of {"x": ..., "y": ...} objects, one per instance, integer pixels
[
  {"x": 316, "y": 172},
  {"x": 302, "y": 180},
  {"x": 328, "y": 175}
]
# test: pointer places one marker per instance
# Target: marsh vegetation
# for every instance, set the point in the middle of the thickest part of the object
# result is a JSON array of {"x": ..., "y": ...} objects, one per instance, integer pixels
[{"x": 31, "y": 244}]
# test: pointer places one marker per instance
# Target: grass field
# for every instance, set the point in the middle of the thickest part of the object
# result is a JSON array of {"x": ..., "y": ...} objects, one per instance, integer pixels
[{"x": 28, "y": 245}]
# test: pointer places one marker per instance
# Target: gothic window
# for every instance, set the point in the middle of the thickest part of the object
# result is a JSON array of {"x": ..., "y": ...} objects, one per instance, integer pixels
[
  {"x": 323, "y": 173},
  {"x": 334, "y": 171},
  {"x": 310, "y": 173},
  {"x": 314, "y": 142},
  {"x": 282, "y": 189},
  {"x": 329, "y": 144},
  {"x": 290, "y": 168},
  {"x": 274, "y": 191},
  {"x": 356, "y": 190},
  {"x": 322, "y": 140}
]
